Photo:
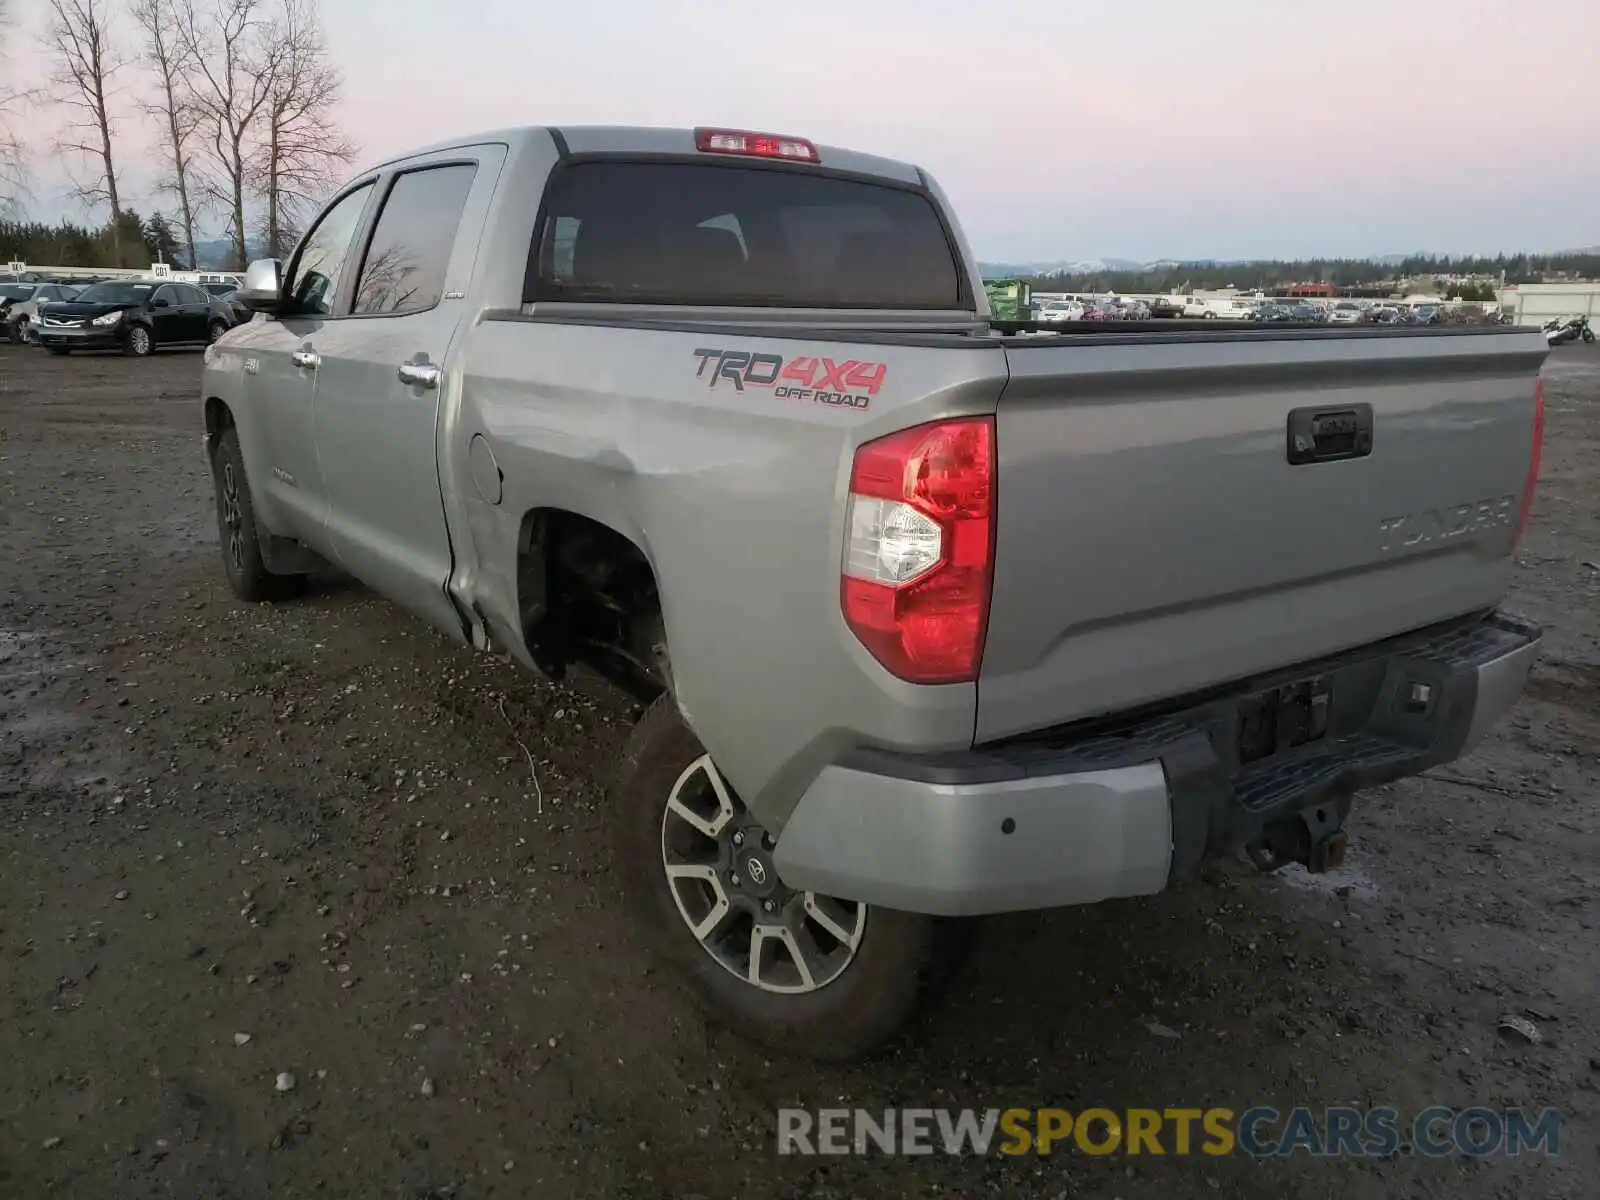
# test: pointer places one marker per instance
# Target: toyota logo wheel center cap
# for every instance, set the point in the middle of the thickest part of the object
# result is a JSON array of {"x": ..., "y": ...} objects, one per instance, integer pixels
[{"x": 758, "y": 877}]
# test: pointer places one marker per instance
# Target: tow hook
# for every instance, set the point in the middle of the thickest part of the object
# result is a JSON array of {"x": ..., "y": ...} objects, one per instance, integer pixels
[{"x": 1314, "y": 838}]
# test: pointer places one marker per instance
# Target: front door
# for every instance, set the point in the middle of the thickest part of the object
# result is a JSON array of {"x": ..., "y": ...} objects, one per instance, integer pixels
[
  {"x": 383, "y": 375},
  {"x": 282, "y": 356}
]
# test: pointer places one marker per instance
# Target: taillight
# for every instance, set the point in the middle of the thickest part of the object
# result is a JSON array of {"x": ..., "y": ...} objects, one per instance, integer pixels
[
  {"x": 755, "y": 145},
  {"x": 919, "y": 549},
  {"x": 1534, "y": 456}
]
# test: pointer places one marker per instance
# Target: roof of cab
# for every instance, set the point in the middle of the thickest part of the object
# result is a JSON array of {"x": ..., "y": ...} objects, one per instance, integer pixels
[{"x": 646, "y": 139}]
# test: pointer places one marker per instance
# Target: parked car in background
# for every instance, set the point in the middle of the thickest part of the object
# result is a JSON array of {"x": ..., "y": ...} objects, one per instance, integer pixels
[
  {"x": 1345, "y": 312},
  {"x": 134, "y": 316},
  {"x": 15, "y": 291},
  {"x": 18, "y": 318},
  {"x": 1232, "y": 308},
  {"x": 1061, "y": 310},
  {"x": 228, "y": 293},
  {"x": 1274, "y": 312},
  {"x": 1426, "y": 314}
]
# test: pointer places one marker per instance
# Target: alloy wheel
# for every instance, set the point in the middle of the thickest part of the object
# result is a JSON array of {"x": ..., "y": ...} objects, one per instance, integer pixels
[
  {"x": 232, "y": 516},
  {"x": 719, "y": 868}
]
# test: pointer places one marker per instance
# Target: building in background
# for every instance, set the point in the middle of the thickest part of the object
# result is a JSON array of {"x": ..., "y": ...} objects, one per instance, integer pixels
[{"x": 1536, "y": 303}]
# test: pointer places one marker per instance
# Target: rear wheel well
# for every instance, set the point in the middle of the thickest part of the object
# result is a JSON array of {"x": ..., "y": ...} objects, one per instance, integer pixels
[
  {"x": 219, "y": 417},
  {"x": 586, "y": 594}
]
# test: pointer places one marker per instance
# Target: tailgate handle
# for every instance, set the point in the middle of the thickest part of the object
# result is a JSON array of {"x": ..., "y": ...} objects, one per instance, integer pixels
[{"x": 1329, "y": 434}]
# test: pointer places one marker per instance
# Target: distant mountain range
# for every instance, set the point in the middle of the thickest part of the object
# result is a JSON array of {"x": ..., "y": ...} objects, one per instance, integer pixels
[
  {"x": 1086, "y": 266},
  {"x": 216, "y": 254},
  {"x": 1099, "y": 266}
]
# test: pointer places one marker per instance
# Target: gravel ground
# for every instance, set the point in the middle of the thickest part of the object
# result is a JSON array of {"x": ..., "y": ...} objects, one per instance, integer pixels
[{"x": 239, "y": 843}]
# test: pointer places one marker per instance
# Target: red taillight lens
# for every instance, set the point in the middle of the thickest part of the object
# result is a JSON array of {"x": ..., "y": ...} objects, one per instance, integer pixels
[
  {"x": 919, "y": 549},
  {"x": 1535, "y": 456},
  {"x": 755, "y": 145}
]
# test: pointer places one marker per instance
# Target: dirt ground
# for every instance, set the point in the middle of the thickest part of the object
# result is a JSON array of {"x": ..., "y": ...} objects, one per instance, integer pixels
[{"x": 315, "y": 825}]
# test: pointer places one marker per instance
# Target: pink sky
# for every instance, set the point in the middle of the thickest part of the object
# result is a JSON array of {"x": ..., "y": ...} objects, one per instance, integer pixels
[{"x": 1130, "y": 128}]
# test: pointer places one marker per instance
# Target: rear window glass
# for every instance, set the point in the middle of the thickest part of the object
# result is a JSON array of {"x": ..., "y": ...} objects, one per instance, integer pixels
[{"x": 678, "y": 233}]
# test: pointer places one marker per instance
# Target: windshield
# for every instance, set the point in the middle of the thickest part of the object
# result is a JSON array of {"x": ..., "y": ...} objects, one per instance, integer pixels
[
  {"x": 1345, "y": 307},
  {"x": 116, "y": 293},
  {"x": 16, "y": 291}
]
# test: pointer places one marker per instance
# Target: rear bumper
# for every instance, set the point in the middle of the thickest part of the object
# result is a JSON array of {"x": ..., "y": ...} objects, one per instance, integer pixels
[{"x": 1075, "y": 816}]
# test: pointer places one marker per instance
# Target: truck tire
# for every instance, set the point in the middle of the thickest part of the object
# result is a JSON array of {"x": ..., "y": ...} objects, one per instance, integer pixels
[
  {"x": 868, "y": 991},
  {"x": 248, "y": 577}
]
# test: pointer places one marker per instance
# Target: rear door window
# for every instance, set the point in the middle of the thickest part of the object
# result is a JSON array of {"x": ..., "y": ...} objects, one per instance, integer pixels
[
  {"x": 692, "y": 233},
  {"x": 409, "y": 253}
]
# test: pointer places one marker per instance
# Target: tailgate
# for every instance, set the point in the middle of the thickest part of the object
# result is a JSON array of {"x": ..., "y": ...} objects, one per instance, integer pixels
[{"x": 1154, "y": 537}]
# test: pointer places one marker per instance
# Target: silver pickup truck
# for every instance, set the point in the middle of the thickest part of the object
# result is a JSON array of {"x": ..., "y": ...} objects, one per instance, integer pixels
[{"x": 934, "y": 616}]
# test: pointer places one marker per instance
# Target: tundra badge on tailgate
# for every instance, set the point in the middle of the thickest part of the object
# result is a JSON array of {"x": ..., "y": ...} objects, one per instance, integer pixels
[
  {"x": 848, "y": 384},
  {"x": 1443, "y": 524}
]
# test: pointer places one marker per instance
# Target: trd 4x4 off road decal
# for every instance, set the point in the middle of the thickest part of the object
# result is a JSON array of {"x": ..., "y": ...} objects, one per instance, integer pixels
[{"x": 848, "y": 384}]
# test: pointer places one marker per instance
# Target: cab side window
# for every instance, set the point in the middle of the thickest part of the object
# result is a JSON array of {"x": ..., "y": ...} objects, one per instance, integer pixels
[
  {"x": 313, "y": 285},
  {"x": 415, "y": 232},
  {"x": 166, "y": 292},
  {"x": 190, "y": 294}
]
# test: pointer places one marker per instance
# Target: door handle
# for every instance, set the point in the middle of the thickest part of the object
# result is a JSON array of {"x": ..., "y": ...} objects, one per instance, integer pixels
[
  {"x": 1319, "y": 435},
  {"x": 422, "y": 374},
  {"x": 309, "y": 359}
]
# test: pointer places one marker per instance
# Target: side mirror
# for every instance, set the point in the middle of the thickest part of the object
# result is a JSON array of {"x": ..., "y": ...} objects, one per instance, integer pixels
[
  {"x": 160, "y": 302},
  {"x": 262, "y": 290}
]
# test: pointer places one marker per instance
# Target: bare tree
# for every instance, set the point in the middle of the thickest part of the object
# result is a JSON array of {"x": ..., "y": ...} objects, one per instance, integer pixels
[
  {"x": 301, "y": 147},
  {"x": 229, "y": 65},
  {"x": 386, "y": 280},
  {"x": 87, "y": 63},
  {"x": 11, "y": 161},
  {"x": 167, "y": 55}
]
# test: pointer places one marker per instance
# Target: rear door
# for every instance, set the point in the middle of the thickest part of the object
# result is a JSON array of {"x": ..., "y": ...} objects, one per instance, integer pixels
[
  {"x": 196, "y": 311},
  {"x": 384, "y": 367},
  {"x": 1159, "y": 531}
]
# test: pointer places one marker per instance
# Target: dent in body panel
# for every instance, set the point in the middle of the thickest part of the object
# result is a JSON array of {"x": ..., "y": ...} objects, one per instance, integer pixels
[
  {"x": 498, "y": 264},
  {"x": 736, "y": 500}
]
